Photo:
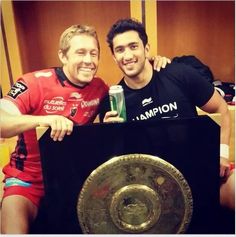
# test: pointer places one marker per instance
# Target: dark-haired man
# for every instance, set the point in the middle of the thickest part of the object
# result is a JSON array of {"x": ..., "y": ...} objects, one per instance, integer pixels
[{"x": 171, "y": 93}]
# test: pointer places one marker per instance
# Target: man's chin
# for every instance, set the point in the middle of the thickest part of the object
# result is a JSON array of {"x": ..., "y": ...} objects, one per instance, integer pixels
[
  {"x": 130, "y": 74},
  {"x": 84, "y": 81}
]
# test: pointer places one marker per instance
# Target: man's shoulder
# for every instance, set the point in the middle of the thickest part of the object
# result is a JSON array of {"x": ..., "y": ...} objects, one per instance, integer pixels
[
  {"x": 181, "y": 67},
  {"x": 177, "y": 70},
  {"x": 178, "y": 66},
  {"x": 43, "y": 73},
  {"x": 97, "y": 81}
]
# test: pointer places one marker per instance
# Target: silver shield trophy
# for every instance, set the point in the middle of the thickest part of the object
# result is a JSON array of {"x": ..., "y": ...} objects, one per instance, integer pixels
[{"x": 135, "y": 193}]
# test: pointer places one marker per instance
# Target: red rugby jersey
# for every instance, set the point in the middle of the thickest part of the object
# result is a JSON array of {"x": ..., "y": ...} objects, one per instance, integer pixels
[{"x": 48, "y": 92}]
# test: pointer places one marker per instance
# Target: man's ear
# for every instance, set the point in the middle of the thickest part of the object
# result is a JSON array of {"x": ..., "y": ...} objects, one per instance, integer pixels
[
  {"x": 147, "y": 50},
  {"x": 62, "y": 57}
]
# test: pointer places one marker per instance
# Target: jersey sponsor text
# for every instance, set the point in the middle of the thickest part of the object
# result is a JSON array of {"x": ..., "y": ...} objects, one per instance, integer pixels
[
  {"x": 90, "y": 103},
  {"x": 54, "y": 105},
  {"x": 163, "y": 109}
]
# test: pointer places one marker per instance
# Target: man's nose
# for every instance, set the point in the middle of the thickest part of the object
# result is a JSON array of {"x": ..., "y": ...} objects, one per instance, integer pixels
[
  {"x": 128, "y": 54},
  {"x": 87, "y": 58}
]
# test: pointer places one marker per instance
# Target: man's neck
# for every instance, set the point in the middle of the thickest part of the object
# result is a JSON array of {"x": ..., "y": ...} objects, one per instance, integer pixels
[
  {"x": 140, "y": 80},
  {"x": 74, "y": 82}
]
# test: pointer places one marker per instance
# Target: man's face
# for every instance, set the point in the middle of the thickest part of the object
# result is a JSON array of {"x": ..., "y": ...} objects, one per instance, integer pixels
[
  {"x": 81, "y": 60},
  {"x": 129, "y": 53}
]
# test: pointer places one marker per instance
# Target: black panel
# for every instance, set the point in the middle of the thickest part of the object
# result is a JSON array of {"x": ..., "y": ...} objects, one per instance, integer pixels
[{"x": 191, "y": 145}]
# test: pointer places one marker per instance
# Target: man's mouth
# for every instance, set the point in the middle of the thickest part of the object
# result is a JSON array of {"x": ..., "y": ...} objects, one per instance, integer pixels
[
  {"x": 86, "y": 69},
  {"x": 130, "y": 65}
]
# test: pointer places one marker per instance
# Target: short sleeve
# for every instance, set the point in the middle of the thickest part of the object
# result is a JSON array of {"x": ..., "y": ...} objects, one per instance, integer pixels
[
  {"x": 21, "y": 94},
  {"x": 199, "y": 89}
]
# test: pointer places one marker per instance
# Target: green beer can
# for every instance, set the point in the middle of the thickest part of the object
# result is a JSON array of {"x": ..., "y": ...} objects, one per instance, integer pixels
[{"x": 117, "y": 100}]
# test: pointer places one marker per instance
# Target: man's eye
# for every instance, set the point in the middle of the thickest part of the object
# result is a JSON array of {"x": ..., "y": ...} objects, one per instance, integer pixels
[
  {"x": 95, "y": 54},
  {"x": 119, "y": 50},
  {"x": 133, "y": 46},
  {"x": 81, "y": 53}
]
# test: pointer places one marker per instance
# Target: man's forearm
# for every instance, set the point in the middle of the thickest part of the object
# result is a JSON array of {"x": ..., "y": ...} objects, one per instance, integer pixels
[
  {"x": 12, "y": 125},
  {"x": 225, "y": 128},
  {"x": 225, "y": 134}
]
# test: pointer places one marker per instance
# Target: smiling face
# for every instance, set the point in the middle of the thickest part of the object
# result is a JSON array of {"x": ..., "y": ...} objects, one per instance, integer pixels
[
  {"x": 130, "y": 53},
  {"x": 80, "y": 62}
]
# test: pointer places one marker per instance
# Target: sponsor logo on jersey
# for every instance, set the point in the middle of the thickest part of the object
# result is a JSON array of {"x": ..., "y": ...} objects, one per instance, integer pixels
[
  {"x": 17, "y": 89},
  {"x": 75, "y": 96},
  {"x": 54, "y": 105},
  {"x": 147, "y": 101},
  {"x": 43, "y": 74},
  {"x": 89, "y": 103},
  {"x": 73, "y": 110},
  {"x": 161, "y": 111}
]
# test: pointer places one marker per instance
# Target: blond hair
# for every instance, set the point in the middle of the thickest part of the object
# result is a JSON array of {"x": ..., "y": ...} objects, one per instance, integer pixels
[{"x": 69, "y": 33}]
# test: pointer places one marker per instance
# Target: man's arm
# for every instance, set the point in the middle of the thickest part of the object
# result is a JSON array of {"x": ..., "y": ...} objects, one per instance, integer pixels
[
  {"x": 218, "y": 105},
  {"x": 13, "y": 122}
]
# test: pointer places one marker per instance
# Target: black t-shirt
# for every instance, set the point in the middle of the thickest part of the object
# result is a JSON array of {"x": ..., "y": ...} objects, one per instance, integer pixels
[{"x": 174, "y": 92}]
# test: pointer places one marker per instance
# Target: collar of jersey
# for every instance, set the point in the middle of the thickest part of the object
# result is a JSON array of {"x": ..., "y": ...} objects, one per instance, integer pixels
[{"x": 62, "y": 78}]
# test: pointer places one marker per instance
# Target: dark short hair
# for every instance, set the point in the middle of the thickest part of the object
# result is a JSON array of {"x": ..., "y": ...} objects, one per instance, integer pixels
[{"x": 124, "y": 25}]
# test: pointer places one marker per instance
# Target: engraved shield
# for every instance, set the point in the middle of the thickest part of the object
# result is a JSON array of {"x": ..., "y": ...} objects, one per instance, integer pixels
[{"x": 135, "y": 193}]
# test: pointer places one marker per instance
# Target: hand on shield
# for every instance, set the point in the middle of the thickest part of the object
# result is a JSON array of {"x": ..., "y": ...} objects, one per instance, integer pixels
[{"x": 60, "y": 126}]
